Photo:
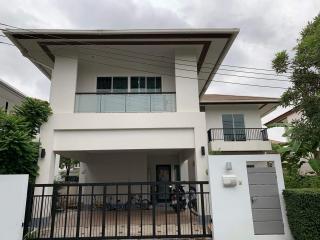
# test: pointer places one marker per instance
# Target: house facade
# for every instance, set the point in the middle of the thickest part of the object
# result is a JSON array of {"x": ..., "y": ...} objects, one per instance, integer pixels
[
  {"x": 131, "y": 107},
  {"x": 9, "y": 96}
]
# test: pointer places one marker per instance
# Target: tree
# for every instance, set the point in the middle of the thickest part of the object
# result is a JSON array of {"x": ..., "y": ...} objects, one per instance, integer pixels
[
  {"x": 34, "y": 112},
  {"x": 67, "y": 163},
  {"x": 18, "y": 150},
  {"x": 304, "y": 94}
]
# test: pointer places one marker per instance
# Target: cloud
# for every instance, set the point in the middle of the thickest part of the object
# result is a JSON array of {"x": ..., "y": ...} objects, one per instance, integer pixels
[{"x": 265, "y": 28}]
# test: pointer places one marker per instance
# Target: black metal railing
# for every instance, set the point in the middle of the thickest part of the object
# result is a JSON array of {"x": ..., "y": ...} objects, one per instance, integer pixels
[
  {"x": 125, "y": 102},
  {"x": 237, "y": 134},
  {"x": 143, "y": 210}
]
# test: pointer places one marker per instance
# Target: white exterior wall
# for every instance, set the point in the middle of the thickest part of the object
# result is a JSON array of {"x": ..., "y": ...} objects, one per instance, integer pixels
[
  {"x": 13, "y": 190},
  {"x": 63, "y": 85},
  {"x": 114, "y": 167},
  {"x": 214, "y": 114},
  {"x": 231, "y": 207},
  {"x": 89, "y": 71},
  {"x": 294, "y": 116},
  {"x": 70, "y": 131},
  {"x": 252, "y": 119},
  {"x": 187, "y": 97}
]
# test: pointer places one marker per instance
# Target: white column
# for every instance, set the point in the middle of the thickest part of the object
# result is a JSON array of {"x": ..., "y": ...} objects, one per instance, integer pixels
[
  {"x": 63, "y": 85},
  {"x": 56, "y": 166},
  {"x": 47, "y": 163},
  {"x": 184, "y": 166},
  {"x": 201, "y": 161},
  {"x": 186, "y": 79}
]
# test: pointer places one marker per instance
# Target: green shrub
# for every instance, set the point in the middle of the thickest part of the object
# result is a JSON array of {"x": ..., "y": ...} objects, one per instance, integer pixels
[
  {"x": 298, "y": 181},
  {"x": 303, "y": 213}
]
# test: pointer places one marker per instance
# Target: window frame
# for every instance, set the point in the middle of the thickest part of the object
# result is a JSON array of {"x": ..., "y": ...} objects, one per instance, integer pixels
[
  {"x": 129, "y": 84},
  {"x": 234, "y": 133}
]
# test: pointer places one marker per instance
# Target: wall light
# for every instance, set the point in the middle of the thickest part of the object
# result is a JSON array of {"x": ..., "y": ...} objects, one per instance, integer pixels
[{"x": 228, "y": 166}]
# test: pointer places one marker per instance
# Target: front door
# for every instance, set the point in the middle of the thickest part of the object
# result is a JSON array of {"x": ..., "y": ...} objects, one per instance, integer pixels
[{"x": 163, "y": 174}]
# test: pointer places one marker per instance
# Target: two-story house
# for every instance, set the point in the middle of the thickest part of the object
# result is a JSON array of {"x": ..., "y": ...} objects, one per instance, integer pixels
[
  {"x": 130, "y": 105},
  {"x": 126, "y": 103}
]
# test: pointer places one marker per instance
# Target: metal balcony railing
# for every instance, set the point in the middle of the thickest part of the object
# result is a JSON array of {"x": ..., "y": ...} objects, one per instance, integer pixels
[
  {"x": 237, "y": 134},
  {"x": 125, "y": 102}
]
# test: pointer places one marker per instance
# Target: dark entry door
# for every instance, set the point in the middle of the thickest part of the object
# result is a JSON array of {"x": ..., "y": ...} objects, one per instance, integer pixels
[{"x": 163, "y": 174}]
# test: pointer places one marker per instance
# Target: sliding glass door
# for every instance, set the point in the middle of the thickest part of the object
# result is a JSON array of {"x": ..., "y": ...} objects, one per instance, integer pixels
[{"x": 233, "y": 127}]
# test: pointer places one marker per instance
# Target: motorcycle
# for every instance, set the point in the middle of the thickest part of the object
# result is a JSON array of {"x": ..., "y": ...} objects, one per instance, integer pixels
[{"x": 179, "y": 200}]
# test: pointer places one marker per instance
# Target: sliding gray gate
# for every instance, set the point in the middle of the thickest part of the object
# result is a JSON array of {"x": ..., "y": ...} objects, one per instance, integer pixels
[{"x": 265, "y": 202}]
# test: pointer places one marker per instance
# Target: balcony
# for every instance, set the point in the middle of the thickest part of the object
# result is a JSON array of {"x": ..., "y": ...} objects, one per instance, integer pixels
[
  {"x": 238, "y": 139},
  {"x": 125, "y": 102}
]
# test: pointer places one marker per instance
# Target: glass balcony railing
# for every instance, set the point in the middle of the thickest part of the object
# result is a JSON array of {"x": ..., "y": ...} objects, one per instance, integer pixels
[{"x": 125, "y": 102}]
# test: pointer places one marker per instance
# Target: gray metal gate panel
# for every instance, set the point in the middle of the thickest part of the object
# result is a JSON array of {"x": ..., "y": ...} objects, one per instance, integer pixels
[{"x": 265, "y": 202}]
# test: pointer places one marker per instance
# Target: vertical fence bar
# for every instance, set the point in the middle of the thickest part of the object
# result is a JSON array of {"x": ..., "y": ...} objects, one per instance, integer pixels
[
  {"x": 191, "y": 227},
  {"x": 66, "y": 214},
  {"x": 202, "y": 210},
  {"x": 153, "y": 190},
  {"x": 129, "y": 210},
  {"x": 178, "y": 211},
  {"x": 29, "y": 209},
  {"x": 91, "y": 210},
  {"x": 53, "y": 209},
  {"x": 104, "y": 199},
  {"x": 166, "y": 208},
  {"x": 79, "y": 211},
  {"x": 41, "y": 209},
  {"x": 116, "y": 220},
  {"x": 141, "y": 194}
]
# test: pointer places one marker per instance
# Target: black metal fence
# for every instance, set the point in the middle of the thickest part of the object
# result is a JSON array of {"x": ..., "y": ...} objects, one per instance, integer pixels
[
  {"x": 237, "y": 134},
  {"x": 118, "y": 211}
]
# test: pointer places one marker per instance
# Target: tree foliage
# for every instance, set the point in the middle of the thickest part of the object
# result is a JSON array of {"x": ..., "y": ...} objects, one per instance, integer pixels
[
  {"x": 18, "y": 149},
  {"x": 67, "y": 163},
  {"x": 34, "y": 112},
  {"x": 304, "y": 94}
]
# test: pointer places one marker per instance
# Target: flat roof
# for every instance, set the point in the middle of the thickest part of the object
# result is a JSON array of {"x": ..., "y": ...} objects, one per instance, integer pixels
[{"x": 213, "y": 44}]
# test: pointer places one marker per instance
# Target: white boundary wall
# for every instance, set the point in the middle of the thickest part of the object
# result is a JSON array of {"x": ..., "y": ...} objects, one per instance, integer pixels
[
  {"x": 13, "y": 198},
  {"x": 231, "y": 207}
]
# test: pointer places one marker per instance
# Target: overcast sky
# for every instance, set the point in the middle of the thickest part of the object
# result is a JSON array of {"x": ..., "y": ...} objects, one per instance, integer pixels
[{"x": 266, "y": 26}]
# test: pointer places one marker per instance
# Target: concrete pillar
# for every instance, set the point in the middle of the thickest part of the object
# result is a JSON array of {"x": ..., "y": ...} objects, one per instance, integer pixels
[
  {"x": 56, "y": 166},
  {"x": 62, "y": 97},
  {"x": 201, "y": 161},
  {"x": 187, "y": 95},
  {"x": 63, "y": 85},
  {"x": 184, "y": 166},
  {"x": 46, "y": 164}
]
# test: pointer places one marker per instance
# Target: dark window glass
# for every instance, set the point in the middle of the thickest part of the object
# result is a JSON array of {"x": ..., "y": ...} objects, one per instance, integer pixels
[
  {"x": 104, "y": 83},
  {"x": 233, "y": 127},
  {"x": 138, "y": 84},
  {"x": 154, "y": 84},
  {"x": 158, "y": 84},
  {"x": 177, "y": 173},
  {"x": 120, "y": 84},
  {"x": 151, "y": 83}
]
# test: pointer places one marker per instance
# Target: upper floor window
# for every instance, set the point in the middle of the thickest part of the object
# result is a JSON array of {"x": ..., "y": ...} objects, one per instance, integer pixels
[
  {"x": 112, "y": 84},
  {"x": 233, "y": 127},
  {"x": 154, "y": 84},
  {"x": 104, "y": 84},
  {"x": 137, "y": 84}
]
